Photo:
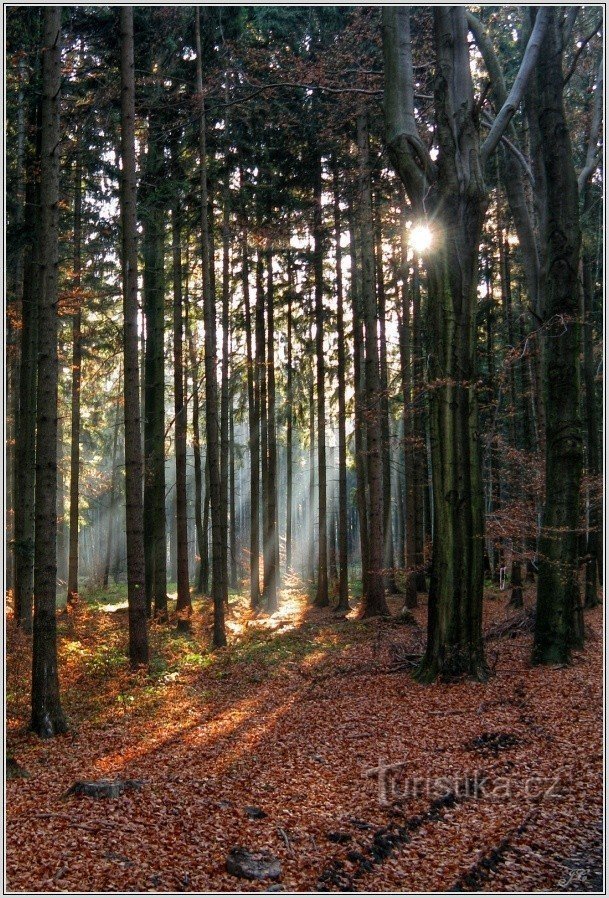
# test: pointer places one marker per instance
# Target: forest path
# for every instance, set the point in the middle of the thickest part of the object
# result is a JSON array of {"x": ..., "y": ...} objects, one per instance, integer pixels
[{"x": 294, "y": 718}]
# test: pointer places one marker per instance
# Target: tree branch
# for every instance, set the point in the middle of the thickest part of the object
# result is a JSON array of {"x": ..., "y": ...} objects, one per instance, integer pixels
[
  {"x": 507, "y": 111},
  {"x": 595, "y": 127},
  {"x": 584, "y": 43}
]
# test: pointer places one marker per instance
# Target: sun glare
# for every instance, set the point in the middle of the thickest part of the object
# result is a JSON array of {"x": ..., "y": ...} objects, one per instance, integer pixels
[{"x": 420, "y": 238}]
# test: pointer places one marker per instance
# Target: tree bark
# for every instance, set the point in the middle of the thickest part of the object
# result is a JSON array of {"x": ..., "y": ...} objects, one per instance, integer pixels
[
  {"x": 136, "y": 593},
  {"x": 254, "y": 434},
  {"x": 321, "y": 597},
  {"x": 359, "y": 390},
  {"x": 271, "y": 573},
  {"x": 76, "y": 382},
  {"x": 111, "y": 508},
  {"x": 453, "y": 190},
  {"x": 374, "y": 598},
  {"x": 47, "y": 716},
  {"x": 343, "y": 559},
  {"x": 25, "y": 478},
  {"x": 211, "y": 376},
  {"x": 183, "y": 603},
  {"x": 388, "y": 552},
  {"x": 155, "y": 532},
  {"x": 558, "y": 623}
]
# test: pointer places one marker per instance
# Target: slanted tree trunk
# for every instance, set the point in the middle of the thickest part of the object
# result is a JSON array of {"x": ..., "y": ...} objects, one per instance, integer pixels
[
  {"x": 558, "y": 624},
  {"x": 343, "y": 560},
  {"x": 374, "y": 598},
  {"x": 76, "y": 381},
  {"x": 211, "y": 376},
  {"x": 136, "y": 594},
  {"x": 183, "y": 603},
  {"x": 47, "y": 716}
]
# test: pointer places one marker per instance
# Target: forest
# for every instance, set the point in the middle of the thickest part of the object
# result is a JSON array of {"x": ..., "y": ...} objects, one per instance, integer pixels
[{"x": 304, "y": 448}]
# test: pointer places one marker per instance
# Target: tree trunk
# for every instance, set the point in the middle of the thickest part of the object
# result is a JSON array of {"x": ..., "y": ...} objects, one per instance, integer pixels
[
  {"x": 359, "y": 390},
  {"x": 211, "y": 377},
  {"x": 47, "y": 716},
  {"x": 183, "y": 603},
  {"x": 388, "y": 556},
  {"x": 289, "y": 422},
  {"x": 136, "y": 594},
  {"x": 374, "y": 598},
  {"x": 76, "y": 381},
  {"x": 224, "y": 442},
  {"x": 155, "y": 532},
  {"x": 271, "y": 537},
  {"x": 26, "y": 427},
  {"x": 321, "y": 597},
  {"x": 343, "y": 559},
  {"x": 196, "y": 440},
  {"x": 413, "y": 508},
  {"x": 254, "y": 435},
  {"x": 457, "y": 201},
  {"x": 111, "y": 508},
  {"x": 558, "y": 624},
  {"x": 594, "y": 549},
  {"x": 263, "y": 412}
]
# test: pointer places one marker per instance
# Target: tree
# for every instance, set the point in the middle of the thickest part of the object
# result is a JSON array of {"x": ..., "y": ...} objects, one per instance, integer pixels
[
  {"x": 134, "y": 520},
  {"x": 47, "y": 715},
  {"x": 183, "y": 604},
  {"x": 211, "y": 376},
  {"x": 557, "y": 624}
]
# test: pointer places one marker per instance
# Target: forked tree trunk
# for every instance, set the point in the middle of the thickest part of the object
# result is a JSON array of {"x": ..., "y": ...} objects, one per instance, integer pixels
[
  {"x": 136, "y": 594},
  {"x": 47, "y": 716},
  {"x": 453, "y": 190},
  {"x": 558, "y": 623}
]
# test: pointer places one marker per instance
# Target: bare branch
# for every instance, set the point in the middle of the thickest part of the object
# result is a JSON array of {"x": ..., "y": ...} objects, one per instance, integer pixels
[
  {"x": 595, "y": 127},
  {"x": 507, "y": 111},
  {"x": 583, "y": 44}
]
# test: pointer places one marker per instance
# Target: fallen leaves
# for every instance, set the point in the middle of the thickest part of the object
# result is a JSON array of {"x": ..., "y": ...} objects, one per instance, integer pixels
[{"x": 287, "y": 722}]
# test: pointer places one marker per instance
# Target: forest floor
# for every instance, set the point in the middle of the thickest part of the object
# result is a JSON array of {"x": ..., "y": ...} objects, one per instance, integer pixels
[{"x": 495, "y": 786}]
